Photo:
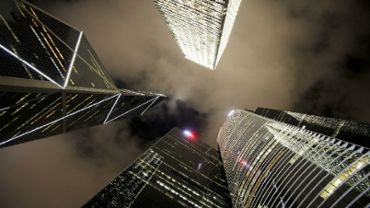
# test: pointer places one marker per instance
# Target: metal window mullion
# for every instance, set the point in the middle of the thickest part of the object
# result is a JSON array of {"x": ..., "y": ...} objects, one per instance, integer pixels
[
  {"x": 314, "y": 178},
  {"x": 281, "y": 167},
  {"x": 251, "y": 141},
  {"x": 352, "y": 176},
  {"x": 251, "y": 157},
  {"x": 247, "y": 182},
  {"x": 323, "y": 178},
  {"x": 250, "y": 144},
  {"x": 242, "y": 173},
  {"x": 324, "y": 154},
  {"x": 264, "y": 167},
  {"x": 300, "y": 165},
  {"x": 304, "y": 161},
  {"x": 317, "y": 195},
  {"x": 284, "y": 168},
  {"x": 267, "y": 185},
  {"x": 233, "y": 131},
  {"x": 350, "y": 189},
  {"x": 260, "y": 193}
]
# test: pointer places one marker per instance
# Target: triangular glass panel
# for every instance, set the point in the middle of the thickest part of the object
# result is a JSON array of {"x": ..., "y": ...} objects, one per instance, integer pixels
[
  {"x": 11, "y": 66},
  {"x": 89, "y": 115},
  {"x": 29, "y": 42},
  {"x": 129, "y": 105},
  {"x": 65, "y": 32},
  {"x": 84, "y": 75},
  {"x": 88, "y": 55}
]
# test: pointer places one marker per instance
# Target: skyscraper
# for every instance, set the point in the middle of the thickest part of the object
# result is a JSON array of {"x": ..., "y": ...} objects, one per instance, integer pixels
[
  {"x": 200, "y": 27},
  {"x": 279, "y": 162},
  {"x": 51, "y": 80},
  {"x": 177, "y": 171},
  {"x": 351, "y": 131}
]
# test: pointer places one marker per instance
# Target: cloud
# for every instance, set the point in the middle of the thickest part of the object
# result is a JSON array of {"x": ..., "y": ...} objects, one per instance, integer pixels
[
  {"x": 112, "y": 143},
  {"x": 340, "y": 54}
]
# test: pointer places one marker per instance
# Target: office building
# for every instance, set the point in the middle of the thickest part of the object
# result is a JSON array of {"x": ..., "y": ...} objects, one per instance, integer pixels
[
  {"x": 281, "y": 159},
  {"x": 177, "y": 171},
  {"x": 200, "y": 27},
  {"x": 350, "y": 131},
  {"x": 51, "y": 80}
]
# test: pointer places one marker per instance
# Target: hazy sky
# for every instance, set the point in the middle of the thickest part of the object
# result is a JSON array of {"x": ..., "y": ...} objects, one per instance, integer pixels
[{"x": 308, "y": 56}]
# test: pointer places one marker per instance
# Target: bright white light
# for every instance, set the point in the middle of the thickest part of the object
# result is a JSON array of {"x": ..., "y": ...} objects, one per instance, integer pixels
[
  {"x": 199, "y": 166},
  {"x": 188, "y": 133},
  {"x": 73, "y": 60},
  {"x": 231, "y": 113},
  {"x": 31, "y": 66}
]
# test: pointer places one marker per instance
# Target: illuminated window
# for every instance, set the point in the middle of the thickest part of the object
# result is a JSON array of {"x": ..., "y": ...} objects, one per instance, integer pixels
[{"x": 344, "y": 176}]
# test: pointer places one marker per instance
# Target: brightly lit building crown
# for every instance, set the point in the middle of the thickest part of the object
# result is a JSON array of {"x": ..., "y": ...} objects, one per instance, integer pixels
[{"x": 200, "y": 27}]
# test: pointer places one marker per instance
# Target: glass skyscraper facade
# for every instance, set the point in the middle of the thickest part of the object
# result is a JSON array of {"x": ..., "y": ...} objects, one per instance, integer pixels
[
  {"x": 177, "y": 171},
  {"x": 51, "y": 80},
  {"x": 201, "y": 27},
  {"x": 275, "y": 161},
  {"x": 351, "y": 131}
]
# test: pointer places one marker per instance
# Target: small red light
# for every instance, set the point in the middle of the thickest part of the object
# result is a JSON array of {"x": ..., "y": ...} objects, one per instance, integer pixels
[{"x": 243, "y": 162}]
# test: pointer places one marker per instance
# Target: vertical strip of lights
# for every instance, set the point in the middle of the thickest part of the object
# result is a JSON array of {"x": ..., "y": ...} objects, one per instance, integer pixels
[{"x": 231, "y": 12}]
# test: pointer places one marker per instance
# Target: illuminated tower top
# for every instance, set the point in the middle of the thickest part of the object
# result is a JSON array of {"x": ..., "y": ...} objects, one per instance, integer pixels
[{"x": 200, "y": 27}]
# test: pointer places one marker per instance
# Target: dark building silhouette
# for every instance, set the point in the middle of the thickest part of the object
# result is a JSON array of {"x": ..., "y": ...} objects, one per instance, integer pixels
[
  {"x": 281, "y": 159},
  {"x": 177, "y": 171},
  {"x": 51, "y": 80}
]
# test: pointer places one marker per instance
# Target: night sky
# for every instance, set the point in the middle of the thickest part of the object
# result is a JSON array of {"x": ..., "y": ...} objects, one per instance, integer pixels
[{"x": 306, "y": 56}]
